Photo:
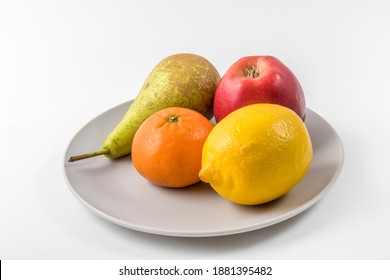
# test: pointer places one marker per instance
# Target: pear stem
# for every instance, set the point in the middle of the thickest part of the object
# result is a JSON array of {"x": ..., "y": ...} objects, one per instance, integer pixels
[{"x": 103, "y": 151}]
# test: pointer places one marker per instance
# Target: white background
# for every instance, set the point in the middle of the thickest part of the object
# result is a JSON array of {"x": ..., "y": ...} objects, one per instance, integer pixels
[{"x": 64, "y": 62}]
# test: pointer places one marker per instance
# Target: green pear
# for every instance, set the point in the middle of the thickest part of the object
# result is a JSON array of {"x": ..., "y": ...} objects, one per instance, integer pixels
[{"x": 180, "y": 80}]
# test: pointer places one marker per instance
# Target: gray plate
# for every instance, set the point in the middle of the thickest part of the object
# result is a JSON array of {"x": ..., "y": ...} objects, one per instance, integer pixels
[{"x": 115, "y": 191}]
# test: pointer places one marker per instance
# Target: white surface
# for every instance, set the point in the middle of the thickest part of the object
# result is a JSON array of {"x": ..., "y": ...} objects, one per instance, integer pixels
[
  {"x": 64, "y": 62},
  {"x": 115, "y": 191}
]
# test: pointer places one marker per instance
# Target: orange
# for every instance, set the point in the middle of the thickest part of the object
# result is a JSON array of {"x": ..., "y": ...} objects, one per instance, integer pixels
[{"x": 167, "y": 147}]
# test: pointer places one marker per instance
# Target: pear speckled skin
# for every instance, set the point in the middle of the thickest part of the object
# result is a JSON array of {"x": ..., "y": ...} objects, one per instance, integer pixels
[{"x": 181, "y": 80}]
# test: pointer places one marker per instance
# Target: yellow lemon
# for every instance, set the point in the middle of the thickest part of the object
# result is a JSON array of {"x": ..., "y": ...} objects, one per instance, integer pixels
[{"x": 256, "y": 154}]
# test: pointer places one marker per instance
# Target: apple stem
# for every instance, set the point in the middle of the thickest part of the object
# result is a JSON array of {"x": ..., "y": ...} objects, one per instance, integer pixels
[{"x": 252, "y": 72}]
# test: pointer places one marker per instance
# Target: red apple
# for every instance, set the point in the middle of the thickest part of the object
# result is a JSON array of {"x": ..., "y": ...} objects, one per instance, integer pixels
[{"x": 258, "y": 79}]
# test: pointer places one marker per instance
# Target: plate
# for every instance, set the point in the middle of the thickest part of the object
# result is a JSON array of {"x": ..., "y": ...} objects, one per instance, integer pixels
[{"x": 115, "y": 191}]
